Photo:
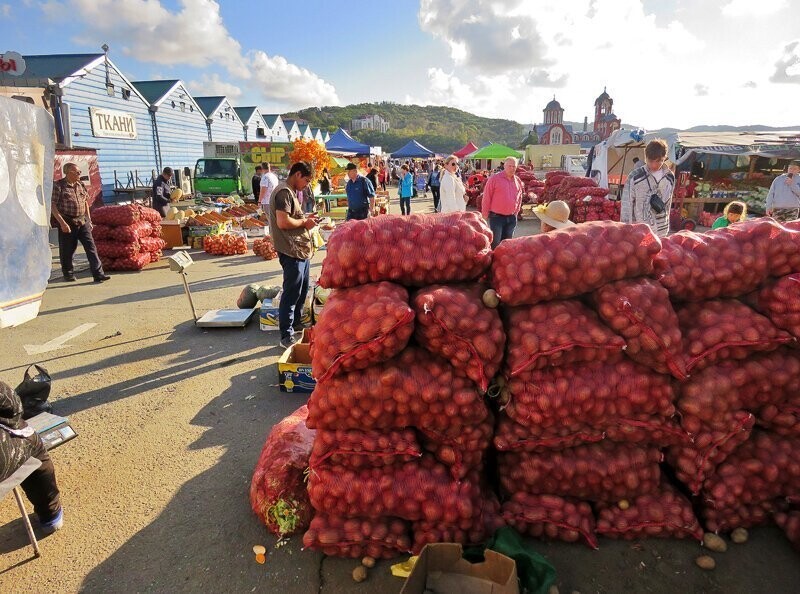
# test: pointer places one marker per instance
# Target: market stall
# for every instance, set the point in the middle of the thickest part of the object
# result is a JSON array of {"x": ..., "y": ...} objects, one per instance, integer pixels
[
  {"x": 611, "y": 161},
  {"x": 412, "y": 150},
  {"x": 465, "y": 150},
  {"x": 716, "y": 168},
  {"x": 490, "y": 155}
]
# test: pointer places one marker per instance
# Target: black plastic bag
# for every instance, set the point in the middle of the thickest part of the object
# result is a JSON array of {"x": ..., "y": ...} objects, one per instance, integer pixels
[{"x": 34, "y": 392}]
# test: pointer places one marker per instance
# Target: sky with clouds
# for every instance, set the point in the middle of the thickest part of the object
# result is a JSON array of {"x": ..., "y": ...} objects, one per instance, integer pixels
[{"x": 665, "y": 62}]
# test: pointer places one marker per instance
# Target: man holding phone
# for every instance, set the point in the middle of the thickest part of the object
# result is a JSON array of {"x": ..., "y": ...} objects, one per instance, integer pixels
[
  {"x": 783, "y": 199},
  {"x": 647, "y": 194}
]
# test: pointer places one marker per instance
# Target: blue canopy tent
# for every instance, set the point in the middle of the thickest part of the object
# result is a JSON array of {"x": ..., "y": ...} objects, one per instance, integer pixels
[
  {"x": 341, "y": 142},
  {"x": 412, "y": 150}
]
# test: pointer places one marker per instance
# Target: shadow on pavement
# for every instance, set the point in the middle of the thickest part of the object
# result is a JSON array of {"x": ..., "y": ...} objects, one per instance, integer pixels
[{"x": 202, "y": 540}]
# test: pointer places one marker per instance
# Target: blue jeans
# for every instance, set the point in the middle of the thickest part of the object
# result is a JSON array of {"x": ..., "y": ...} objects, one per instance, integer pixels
[
  {"x": 405, "y": 205},
  {"x": 502, "y": 227},
  {"x": 295, "y": 289}
]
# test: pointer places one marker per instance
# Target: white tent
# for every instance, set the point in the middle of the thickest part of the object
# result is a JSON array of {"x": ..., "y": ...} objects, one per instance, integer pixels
[
  {"x": 778, "y": 144},
  {"x": 613, "y": 158}
]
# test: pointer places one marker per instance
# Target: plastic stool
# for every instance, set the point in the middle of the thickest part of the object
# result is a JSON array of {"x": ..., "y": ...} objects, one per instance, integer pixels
[{"x": 12, "y": 483}]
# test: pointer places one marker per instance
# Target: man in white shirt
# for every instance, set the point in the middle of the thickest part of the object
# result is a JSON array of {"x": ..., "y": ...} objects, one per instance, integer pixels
[
  {"x": 269, "y": 181},
  {"x": 647, "y": 194}
]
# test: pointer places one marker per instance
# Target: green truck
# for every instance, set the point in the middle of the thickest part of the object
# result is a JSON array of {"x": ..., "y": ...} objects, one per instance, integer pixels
[{"x": 228, "y": 167}]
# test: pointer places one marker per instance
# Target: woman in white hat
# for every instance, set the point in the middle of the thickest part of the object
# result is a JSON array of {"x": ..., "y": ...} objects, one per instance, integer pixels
[
  {"x": 451, "y": 189},
  {"x": 554, "y": 215}
]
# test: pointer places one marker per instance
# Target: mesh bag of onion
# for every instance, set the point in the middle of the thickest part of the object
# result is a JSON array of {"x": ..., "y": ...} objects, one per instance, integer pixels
[
  {"x": 779, "y": 300},
  {"x": 551, "y": 517}
]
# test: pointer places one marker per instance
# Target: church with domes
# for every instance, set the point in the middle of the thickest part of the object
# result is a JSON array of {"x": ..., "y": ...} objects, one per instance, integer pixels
[{"x": 555, "y": 131}]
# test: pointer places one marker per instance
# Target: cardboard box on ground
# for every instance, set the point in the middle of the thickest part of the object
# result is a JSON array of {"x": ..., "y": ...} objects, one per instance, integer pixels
[
  {"x": 441, "y": 569},
  {"x": 294, "y": 367}
]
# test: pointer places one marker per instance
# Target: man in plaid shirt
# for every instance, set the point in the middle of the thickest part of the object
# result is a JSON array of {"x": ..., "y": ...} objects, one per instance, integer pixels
[{"x": 70, "y": 208}]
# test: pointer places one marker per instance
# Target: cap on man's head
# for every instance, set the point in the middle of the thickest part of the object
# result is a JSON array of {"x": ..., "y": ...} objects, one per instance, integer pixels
[{"x": 351, "y": 166}]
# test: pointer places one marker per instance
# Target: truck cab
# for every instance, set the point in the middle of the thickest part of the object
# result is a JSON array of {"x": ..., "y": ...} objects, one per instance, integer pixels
[{"x": 217, "y": 177}]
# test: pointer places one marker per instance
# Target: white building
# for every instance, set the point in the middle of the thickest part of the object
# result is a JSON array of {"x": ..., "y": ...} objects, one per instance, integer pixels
[{"x": 369, "y": 122}]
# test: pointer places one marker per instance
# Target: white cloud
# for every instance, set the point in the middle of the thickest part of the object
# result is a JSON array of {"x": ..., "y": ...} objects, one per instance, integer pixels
[
  {"x": 211, "y": 85},
  {"x": 701, "y": 90},
  {"x": 787, "y": 68},
  {"x": 5, "y": 10},
  {"x": 288, "y": 83},
  {"x": 749, "y": 8},
  {"x": 573, "y": 48},
  {"x": 194, "y": 35}
]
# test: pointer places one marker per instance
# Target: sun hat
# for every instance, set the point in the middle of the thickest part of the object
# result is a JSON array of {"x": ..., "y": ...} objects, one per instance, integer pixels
[{"x": 555, "y": 214}]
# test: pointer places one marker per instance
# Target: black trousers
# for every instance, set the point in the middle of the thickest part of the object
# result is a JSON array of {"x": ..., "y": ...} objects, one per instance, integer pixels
[
  {"x": 436, "y": 191},
  {"x": 40, "y": 487},
  {"x": 68, "y": 243}
]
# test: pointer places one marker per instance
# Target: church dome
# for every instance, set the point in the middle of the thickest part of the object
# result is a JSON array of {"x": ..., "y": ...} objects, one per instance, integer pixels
[
  {"x": 553, "y": 105},
  {"x": 603, "y": 97}
]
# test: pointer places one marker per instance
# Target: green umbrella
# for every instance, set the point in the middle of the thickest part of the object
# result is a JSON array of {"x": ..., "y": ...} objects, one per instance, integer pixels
[{"x": 495, "y": 151}]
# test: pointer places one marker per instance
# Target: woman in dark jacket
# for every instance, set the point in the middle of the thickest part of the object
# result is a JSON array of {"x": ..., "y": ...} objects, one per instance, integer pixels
[
  {"x": 373, "y": 177},
  {"x": 18, "y": 442}
]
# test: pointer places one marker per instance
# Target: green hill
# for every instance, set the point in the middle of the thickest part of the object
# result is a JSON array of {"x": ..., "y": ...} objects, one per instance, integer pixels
[{"x": 441, "y": 129}]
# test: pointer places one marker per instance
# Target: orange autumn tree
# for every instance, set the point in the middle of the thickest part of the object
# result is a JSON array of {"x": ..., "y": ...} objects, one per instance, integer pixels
[{"x": 313, "y": 153}]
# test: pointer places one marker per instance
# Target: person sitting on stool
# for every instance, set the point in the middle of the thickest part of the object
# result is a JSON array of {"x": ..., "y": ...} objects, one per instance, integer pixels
[{"x": 18, "y": 442}]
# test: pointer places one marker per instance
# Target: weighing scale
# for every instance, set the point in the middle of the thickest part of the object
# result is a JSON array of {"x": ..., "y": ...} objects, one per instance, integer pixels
[
  {"x": 216, "y": 318},
  {"x": 53, "y": 430}
]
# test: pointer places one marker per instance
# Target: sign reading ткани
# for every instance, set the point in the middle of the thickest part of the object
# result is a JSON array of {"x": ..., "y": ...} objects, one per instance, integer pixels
[{"x": 107, "y": 123}]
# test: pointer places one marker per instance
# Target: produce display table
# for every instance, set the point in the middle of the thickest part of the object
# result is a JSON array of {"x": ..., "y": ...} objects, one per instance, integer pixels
[{"x": 332, "y": 200}]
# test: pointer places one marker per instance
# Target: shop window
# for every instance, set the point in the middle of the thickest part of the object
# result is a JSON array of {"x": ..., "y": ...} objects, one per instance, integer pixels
[
  {"x": 183, "y": 106},
  {"x": 173, "y": 104},
  {"x": 191, "y": 108},
  {"x": 220, "y": 115},
  {"x": 126, "y": 94},
  {"x": 261, "y": 133}
]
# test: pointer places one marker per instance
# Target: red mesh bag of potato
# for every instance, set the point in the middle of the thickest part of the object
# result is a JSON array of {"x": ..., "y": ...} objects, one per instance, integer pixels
[
  {"x": 639, "y": 429},
  {"x": 739, "y": 516},
  {"x": 725, "y": 329},
  {"x": 557, "y": 333},
  {"x": 663, "y": 514},
  {"x": 463, "y": 453},
  {"x": 551, "y": 517},
  {"x": 278, "y": 494},
  {"x": 780, "y": 302},
  {"x": 602, "y": 471},
  {"x": 115, "y": 249},
  {"x": 418, "y": 490},
  {"x": 640, "y": 311},
  {"x": 415, "y": 389},
  {"x": 379, "y": 538},
  {"x": 734, "y": 385},
  {"x": 712, "y": 444},
  {"x": 466, "y": 532},
  {"x": 592, "y": 393},
  {"x": 360, "y": 327},
  {"x": 763, "y": 468},
  {"x": 117, "y": 216},
  {"x": 362, "y": 449},
  {"x": 728, "y": 262},
  {"x": 571, "y": 261},
  {"x": 452, "y": 321},
  {"x": 783, "y": 418},
  {"x": 416, "y": 250},
  {"x": 790, "y": 524}
]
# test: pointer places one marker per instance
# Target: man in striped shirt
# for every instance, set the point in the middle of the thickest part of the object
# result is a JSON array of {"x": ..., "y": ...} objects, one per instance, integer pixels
[{"x": 647, "y": 195}]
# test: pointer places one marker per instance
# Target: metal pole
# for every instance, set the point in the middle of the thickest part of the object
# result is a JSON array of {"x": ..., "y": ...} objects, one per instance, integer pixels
[{"x": 189, "y": 295}]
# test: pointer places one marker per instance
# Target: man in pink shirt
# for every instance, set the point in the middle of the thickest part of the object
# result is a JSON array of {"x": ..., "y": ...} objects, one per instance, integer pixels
[{"x": 502, "y": 199}]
